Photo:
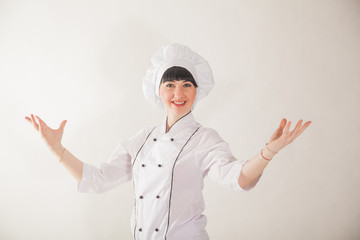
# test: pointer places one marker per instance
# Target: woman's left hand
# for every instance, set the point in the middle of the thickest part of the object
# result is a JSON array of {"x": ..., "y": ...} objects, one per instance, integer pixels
[{"x": 282, "y": 136}]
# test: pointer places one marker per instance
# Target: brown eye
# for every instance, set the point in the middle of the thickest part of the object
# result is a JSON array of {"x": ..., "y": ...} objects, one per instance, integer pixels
[
  {"x": 187, "y": 85},
  {"x": 169, "y": 85}
]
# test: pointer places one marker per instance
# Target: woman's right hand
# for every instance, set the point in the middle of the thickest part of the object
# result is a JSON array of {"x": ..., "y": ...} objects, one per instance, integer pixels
[{"x": 52, "y": 137}]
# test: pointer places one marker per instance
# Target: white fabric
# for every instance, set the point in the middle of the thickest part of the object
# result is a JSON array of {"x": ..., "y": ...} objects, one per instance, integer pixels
[
  {"x": 182, "y": 56},
  {"x": 174, "y": 187}
]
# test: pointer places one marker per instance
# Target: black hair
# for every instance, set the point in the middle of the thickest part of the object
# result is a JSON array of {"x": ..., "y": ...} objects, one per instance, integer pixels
[{"x": 178, "y": 73}]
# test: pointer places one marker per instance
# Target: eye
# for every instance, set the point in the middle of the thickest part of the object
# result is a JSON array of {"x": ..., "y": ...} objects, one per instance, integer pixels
[
  {"x": 187, "y": 85},
  {"x": 169, "y": 85}
]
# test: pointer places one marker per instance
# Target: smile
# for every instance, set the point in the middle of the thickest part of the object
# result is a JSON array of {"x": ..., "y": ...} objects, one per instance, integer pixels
[{"x": 178, "y": 104}]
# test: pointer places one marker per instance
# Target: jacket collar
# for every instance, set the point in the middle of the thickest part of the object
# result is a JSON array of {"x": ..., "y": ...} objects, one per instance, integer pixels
[{"x": 185, "y": 122}]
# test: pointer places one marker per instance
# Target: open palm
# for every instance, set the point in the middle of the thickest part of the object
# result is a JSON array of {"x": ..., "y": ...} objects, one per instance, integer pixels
[
  {"x": 282, "y": 136},
  {"x": 51, "y": 136}
]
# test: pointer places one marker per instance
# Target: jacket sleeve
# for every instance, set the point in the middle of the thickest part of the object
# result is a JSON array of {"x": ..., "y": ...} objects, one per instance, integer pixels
[
  {"x": 221, "y": 166},
  {"x": 116, "y": 171}
]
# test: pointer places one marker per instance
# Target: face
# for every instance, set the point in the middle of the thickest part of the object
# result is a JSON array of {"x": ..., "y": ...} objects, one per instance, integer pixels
[{"x": 178, "y": 97}]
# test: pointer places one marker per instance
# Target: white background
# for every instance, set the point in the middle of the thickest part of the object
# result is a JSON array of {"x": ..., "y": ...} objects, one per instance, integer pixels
[{"x": 84, "y": 61}]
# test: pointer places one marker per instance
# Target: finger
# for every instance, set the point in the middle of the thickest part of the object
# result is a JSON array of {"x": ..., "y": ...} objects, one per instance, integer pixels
[
  {"x": 36, "y": 126},
  {"x": 296, "y": 129},
  {"x": 62, "y": 125},
  {"x": 287, "y": 127},
  {"x": 278, "y": 131},
  {"x": 303, "y": 128},
  {"x": 42, "y": 125},
  {"x": 42, "y": 122},
  {"x": 28, "y": 119},
  {"x": 282, "y": 123}
]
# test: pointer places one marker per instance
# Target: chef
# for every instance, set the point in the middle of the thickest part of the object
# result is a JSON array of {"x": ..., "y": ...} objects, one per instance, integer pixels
[{"x": 167, "y": 163}]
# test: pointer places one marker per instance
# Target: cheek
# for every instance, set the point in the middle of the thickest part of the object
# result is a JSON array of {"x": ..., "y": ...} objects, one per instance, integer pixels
[
  {"x": 164, "y": 95},
  {"x": 192, "y": 95}
]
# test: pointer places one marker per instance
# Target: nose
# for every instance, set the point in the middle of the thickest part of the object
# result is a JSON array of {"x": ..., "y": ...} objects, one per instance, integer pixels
[{"x": 178, "y": 92}]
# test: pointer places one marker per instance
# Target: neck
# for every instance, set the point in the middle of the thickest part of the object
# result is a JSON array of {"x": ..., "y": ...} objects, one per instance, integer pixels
[{"x": 171, "y": 120}]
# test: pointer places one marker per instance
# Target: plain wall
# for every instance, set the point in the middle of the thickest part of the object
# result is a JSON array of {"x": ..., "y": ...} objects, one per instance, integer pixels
[{"x": 84, "y": 61}]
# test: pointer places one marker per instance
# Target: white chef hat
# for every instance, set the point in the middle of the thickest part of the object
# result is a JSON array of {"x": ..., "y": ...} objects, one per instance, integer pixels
[{"x": 182, "y": 56}]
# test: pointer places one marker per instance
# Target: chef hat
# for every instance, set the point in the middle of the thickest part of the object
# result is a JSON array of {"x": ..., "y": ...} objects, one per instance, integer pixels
[{"x": 177, "y": 55}]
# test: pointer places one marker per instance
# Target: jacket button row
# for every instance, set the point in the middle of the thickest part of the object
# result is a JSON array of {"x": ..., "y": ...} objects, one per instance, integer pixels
[
  {"x": 171, "y": 139},
  {"x": 156, "y": 229},
  {"x": 142, "y": 197},
  {"x": 143, "y": 165}
]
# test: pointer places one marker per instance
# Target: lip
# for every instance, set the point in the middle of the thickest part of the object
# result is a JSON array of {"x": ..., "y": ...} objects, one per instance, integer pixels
[{"x": 178, "y": 105}]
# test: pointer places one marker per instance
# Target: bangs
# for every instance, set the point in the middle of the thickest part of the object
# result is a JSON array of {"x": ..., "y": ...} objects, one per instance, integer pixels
[{"x": 178, "y": 73}]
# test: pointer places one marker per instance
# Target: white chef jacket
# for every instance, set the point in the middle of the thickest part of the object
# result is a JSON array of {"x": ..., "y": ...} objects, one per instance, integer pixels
[{"x": 167, "y": 170}]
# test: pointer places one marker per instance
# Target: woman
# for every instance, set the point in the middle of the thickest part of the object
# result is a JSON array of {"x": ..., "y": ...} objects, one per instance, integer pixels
[{"x": 168, "y": 163}]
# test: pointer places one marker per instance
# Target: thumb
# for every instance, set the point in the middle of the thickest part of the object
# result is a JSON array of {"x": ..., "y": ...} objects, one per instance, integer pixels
[
  {"x": 279, "y": 130},
  {"x": 62, "y": 125},
  {"x": 282, "y": 124}
]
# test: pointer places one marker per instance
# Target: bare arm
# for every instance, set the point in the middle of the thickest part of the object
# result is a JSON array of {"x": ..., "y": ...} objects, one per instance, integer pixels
[
  {"x": 252, "y": 169},
  {"x": 71, "y": 163},
  {"x": 52, "y": 138},
  {"x": 282, "y": 137}
]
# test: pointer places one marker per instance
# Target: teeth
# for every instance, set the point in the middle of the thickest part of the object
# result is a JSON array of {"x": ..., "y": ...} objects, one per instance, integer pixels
[{"x": 179, "y": 103}]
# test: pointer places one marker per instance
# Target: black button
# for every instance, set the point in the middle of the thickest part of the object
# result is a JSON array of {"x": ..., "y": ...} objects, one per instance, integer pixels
[
  {"x": 155, "y": 139},
  {"x": 141, "y": 197},
  {"x": 143, "y": 165},
  {"x": 159, "y": 165},
  {"x": 172, "y": 139},
  {"x": 156, "y": 229},
  {"x": 140, "y": 229},
  {"x": 158, "y": 196}
]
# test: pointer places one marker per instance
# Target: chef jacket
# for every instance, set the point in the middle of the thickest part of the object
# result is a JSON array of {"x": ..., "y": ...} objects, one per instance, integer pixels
[{"x": 167, "y": 171}]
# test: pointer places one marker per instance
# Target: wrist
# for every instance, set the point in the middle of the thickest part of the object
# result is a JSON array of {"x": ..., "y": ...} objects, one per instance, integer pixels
[
  {"x": 62, "y": 154},
  {"x": 266, "y": 154},
  {"x": 272, "y": 147},
  {"x": 58, "y": 150}
]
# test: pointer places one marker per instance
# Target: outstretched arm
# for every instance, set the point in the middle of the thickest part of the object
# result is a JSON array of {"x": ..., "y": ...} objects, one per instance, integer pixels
[
  {"x": 52, "y": 138},
  {"x": 281, "y": 137}
]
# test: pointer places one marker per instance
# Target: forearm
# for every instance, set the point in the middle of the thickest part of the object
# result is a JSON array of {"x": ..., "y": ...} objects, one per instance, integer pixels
[
  {"x": 281, "y": 137},
  {"x": 70, "y": 162},
  {"x": 254, "y": 167}
]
